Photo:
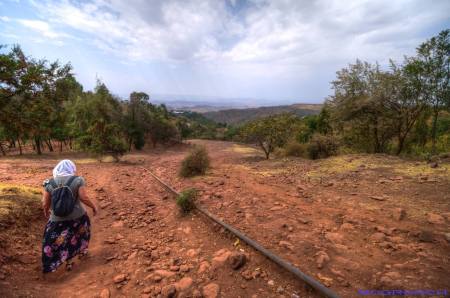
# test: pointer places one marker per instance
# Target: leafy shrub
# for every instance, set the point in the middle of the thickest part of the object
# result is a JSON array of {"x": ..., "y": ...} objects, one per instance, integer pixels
[
  {"x": 186, "y": 200},
  {"x": 196, "y": 163},
  {"x": 321, "y": 146},
  {"x": 294, "y": 148}
]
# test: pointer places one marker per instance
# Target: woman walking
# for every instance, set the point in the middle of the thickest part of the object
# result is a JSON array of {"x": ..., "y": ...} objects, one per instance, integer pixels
[{"x": 67, "y": 232}]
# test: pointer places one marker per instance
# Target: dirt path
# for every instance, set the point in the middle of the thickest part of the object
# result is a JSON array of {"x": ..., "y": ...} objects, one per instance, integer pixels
[
  {"x": 141, "y": 246},
  {"x": 353, "y": 222}
]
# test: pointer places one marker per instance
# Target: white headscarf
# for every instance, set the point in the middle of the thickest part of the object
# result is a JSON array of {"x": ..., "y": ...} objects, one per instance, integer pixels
[{"x": 64, "y": 168}]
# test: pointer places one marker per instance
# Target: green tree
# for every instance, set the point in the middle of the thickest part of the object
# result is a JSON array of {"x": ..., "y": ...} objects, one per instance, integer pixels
[
  {"x": 162, "y": 130},
  {"x": 96, "y": 119},
  {"x": 183, "y": 127},
  {"x": 271, "y": 132},
  {"x": 433, "y": 59},
  {"x": 401, "y": 94},
  {"x": 29, "y": 96},
  {"x": 358, "y": 110},
  {"x": 137, "y": 112},
  {"x": 324, "y": 121}
]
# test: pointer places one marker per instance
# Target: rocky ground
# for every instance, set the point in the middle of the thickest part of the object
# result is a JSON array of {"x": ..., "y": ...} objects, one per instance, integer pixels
[{"x": 353, "y": 222}]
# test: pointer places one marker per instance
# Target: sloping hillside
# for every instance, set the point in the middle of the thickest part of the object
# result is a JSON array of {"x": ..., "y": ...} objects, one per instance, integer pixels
[{"x": 236, "y": 116}]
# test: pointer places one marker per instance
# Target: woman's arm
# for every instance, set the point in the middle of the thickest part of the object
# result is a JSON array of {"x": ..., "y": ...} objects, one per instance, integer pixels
[
  {"x": 82, "y": 194},
  {"x": 46, "y": 200}
]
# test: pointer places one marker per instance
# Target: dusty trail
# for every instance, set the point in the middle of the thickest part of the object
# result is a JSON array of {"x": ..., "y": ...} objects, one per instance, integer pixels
[
  {"x": 141, "y": 246},
  {"x": 353, "y": 222},
  {"x": 356, "y": 222}
]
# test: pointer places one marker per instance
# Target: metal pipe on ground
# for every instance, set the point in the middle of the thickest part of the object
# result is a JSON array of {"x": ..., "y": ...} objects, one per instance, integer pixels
[{"x": 267, "y": 253}]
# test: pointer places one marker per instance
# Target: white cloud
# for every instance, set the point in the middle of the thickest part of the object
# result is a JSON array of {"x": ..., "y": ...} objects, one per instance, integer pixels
[
  {"x": 309, "y": 32},
  {"x": 264, "y": 31},
  {"x": 250, "y": 46},
  {"x": 176, "y": 32},
  {"x": 41, "y": 27},
  {"x": 4, "y": 19}
]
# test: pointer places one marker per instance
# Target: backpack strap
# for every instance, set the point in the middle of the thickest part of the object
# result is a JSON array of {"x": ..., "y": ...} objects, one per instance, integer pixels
[
  {"x": 69, "y": 182},
  {"x": 53, "y": 183}
]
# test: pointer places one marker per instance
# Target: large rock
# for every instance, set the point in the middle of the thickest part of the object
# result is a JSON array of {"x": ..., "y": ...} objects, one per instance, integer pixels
[
  {"x": 164, "y": 273},
  {"x": 118, "y": 224},
  {"x": 322, "y": 258},
  {"x": 220, "y": 258},
  {"x": 276, "y": 208},
  {"x": 386, "y": 231},
  {"x": 196, "y": 294},
  {"x": 377, "y": 237},
  {"x": 159, "y": 275},
  {"x": 398, "y": 213},
  {"x": 105, "y": 293},
  {"x": 335, "y": 238},
  {"x": 447, "y": 236},
  {"x": 119, "y": 278},
  {"x": 237, "y": 260},
  {"x": 286, "y": 245},
  {"x": 247, "y": 275},
  {"x": 192, "y": 253},
  {"x": 426, "y": 236},
  {"x": 203, "y": 267},
  {"x": 435, "y": 219},
  {"x": 211, "y": 290},
  {"x": 184, "y": 284},
  {"x": 347, "y": 227},
  {"x": 391, "y": 280},
  {"x": 346, "y": 264},
  {"x": 168, "y": 291}
]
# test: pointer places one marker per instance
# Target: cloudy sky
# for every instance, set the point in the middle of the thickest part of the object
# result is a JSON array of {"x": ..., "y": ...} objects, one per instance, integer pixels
[{"x": 275, "y": 50}]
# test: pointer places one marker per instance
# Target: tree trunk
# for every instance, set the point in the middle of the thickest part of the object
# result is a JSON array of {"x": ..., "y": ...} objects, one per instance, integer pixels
[
  {"x": 434, "y": 131},
  {"x": 130, "y": 142},
  {"x": 400, "y": 138},
  {"x": 377, "y": 148},
  {"x": 60, "y": 146},
  {"x": 20, "y": 146},
  {"x": 401, "y": 143},
  {"x": 2, "y": 149},
  {"x": 49, "y": 145},
  {"x": 266, "y": 150},
  {"x": 37, "y": 141}
]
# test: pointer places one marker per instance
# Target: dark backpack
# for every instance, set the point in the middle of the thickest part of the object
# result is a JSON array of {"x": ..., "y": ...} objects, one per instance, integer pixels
[{"x": 63, "y": 199}]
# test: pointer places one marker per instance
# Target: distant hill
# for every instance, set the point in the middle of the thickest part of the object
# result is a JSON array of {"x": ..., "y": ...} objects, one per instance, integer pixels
[
  {"x": 200, "y": 108},
  {"x": 237, "y": 116}
]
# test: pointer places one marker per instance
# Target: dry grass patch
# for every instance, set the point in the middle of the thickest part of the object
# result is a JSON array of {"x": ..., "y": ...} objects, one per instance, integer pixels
[
  {"x": 264, "y": 172},
  {"x": 89, "y": 160},
  {"x": 243, "y": 149},
  {"x": 18, "y": 204},
  {"x": 422, "y": 169},
  {"x": 337, "y": 165}
]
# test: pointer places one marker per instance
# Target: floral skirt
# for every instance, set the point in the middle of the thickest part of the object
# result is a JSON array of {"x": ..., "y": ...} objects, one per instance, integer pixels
[{"x": 63, "y": 240}]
